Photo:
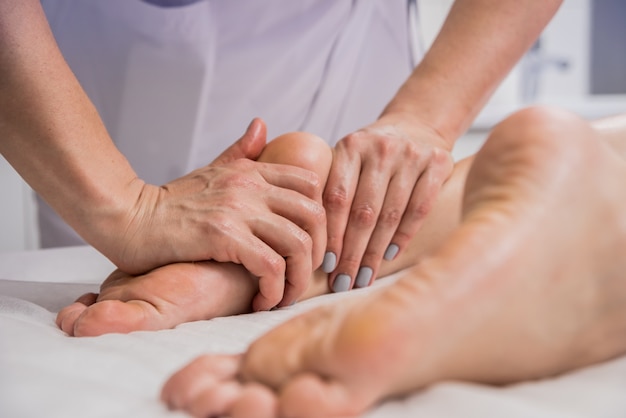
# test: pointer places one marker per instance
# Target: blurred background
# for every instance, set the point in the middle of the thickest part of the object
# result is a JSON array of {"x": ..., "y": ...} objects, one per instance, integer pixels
[{"x": 579, "y": 63}]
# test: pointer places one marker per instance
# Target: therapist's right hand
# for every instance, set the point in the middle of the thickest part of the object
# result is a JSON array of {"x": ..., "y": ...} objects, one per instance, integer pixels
[{"x": 268, "y": 217}]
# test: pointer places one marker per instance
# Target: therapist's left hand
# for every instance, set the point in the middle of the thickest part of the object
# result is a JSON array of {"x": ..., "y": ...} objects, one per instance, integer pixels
[{"x": 383, "y": 182}]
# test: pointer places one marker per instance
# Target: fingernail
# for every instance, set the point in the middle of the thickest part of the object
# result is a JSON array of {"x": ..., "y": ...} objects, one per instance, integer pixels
[
  {"x": 330, "y": 261},
  {"x": 342, "y": 283},
  {"x": 363, "y": 277},
  {"x": 391, "y": 252}
]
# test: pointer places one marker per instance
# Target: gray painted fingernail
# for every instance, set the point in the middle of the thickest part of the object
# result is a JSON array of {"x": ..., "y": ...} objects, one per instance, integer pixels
[
  {"x": 391, "y": 252},
  {"x": 329, "y": 263},
  {"x": 342, "y": 283},
  {"x": 364, "y": 276}
]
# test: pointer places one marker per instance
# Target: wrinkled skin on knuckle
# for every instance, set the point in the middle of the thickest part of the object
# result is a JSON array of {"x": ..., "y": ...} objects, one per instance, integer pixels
[
  {"x": 391, "y": 217},
  {"x": 318, "y": 214},
  {"x": 336, "y": 199},
  {"x": 314, "y": 184},
  {"x": 364, "y": 216}
]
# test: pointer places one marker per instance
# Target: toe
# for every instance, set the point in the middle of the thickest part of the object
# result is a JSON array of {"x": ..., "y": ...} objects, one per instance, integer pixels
[
  {"x": 256, "y": 401},
  {"x": 113, "y": 316},
  {"x": 309, "y": 396},
  {"x": 199, "y": 376},
  {"x": 216, "y": 400},
  {"x": 67, "y": 317}
]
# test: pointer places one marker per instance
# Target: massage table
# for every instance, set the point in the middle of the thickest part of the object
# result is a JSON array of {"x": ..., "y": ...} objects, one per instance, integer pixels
[{"x": 45, "y": 373}]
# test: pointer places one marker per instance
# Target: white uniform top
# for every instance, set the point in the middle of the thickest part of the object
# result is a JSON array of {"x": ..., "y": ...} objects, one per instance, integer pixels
[{"x": 175, "y": 86}]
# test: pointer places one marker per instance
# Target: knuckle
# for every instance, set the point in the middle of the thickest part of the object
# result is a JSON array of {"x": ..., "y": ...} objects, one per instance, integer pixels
[
  {"x": 336, "y": 199},
  {"x": 303, "y": 242},
  {"x": 364, "y": 215},
  {"x": 390, "y": 217},
  {"x": 419, "y": 212},
  {"x": 400, "y": 237},
  {"x": 414, "y": 152},
  {"x": 314, "y": 180},
  {"x": 318, "y": 215},
  {"x": 351, "y": 141},
  {"x": 275, "y": 265},
  {"x": 386, "y": 147},
  {"x": 240, "y": 175},
  {"x": 442, "y": 158}
]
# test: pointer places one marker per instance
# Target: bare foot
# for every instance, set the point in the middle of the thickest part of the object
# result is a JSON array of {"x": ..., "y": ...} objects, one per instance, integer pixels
[
  {"x": 530, "y": 285},
  {"x": 184, "y": 292},
  {"x": 161, "y": 299}
]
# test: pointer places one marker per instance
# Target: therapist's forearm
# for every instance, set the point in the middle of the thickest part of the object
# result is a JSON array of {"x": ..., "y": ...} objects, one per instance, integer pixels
[
  {"x": 479, "y": 43},
  {"x": 51, "y": 133}
]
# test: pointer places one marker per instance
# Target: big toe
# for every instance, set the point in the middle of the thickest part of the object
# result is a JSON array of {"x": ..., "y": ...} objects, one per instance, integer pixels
[{"x": 113, "y": 316}]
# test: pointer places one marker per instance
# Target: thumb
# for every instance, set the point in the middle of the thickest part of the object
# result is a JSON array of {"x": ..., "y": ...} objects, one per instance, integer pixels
[{"x": 248, "y": 146}]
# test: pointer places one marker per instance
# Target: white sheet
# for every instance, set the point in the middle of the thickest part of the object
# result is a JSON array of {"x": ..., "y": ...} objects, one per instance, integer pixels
[{"x": 44, "y": 373}]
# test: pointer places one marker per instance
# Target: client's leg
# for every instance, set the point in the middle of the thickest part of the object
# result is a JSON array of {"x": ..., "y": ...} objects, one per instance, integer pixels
[
  {"x": 185, "y": 292},
  {"x": 531, "y": 284}
]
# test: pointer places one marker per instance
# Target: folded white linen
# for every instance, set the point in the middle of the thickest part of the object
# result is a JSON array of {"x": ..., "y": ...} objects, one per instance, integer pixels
[{"x": 43, "y": 372}]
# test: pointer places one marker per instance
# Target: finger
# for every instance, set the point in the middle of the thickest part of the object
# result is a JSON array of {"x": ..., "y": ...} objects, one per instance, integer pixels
[
  {"x": 364, "y": 213},
  {"x": 338, "y": 195},
  {"x": 394, "y": 207},
  {"x": 260, "y": 259},
  {"x": 419, "y": 206},
  {"x": 294, "y": 245},
  {"x": 248, "y": 146},
  {"x": 293, "y": 178},
  {"x": 308, "y": 396},
  {"x": 201, "y": 373},
  {"x": 309, "y": 215}
]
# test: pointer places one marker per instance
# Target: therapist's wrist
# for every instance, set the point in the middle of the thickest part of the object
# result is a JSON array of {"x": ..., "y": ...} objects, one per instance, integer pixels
[
  {"x": 433, "y": 99},
  {"x": 115, "y": 223},
  {"x": 416, "y": 128}
]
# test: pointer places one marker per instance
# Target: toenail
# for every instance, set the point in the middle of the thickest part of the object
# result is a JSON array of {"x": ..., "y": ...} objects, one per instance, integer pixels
[
  {"x": 363, "y": 277},
  {"x": 342, "y": 283},
  {"x": 391, "y": 252},
  {"x": 330, "y": 261}
]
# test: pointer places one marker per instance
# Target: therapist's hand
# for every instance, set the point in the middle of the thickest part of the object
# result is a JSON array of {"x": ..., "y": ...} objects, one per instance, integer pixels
[
  {"x": 268, "y": 217},
  {"x": 383, "y": 182}
]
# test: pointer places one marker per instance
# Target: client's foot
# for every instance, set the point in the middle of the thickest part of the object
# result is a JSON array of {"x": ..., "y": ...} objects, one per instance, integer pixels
[
  {"x": 161, "y": 299},
  {"x": 530, "y": 285},
  {"x": 186, "y": 292}
]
